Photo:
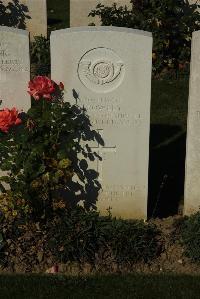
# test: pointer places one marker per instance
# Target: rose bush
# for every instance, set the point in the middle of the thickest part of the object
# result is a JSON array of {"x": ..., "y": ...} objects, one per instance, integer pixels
[{"x": 41, "y": 155}]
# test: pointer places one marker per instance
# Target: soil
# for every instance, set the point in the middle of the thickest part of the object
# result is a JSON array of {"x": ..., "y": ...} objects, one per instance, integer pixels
[
  {"x": 172, "y": 259},
  {"x": 34, "y": 259}
]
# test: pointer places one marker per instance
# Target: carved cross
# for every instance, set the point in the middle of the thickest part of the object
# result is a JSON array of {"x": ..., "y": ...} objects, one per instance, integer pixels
[{"x": 100, "y": 150}]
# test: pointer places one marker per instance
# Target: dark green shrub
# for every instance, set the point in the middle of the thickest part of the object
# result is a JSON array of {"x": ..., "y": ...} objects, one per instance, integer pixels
[
  {"x": 190, "y": 237},
  {"x": 40, "y": 56},
  {"x": 171, "y": 22},
  {"x": 82, "y": 236},
  {"x": 133, "y": 241},
  {"x": 76, "y": 236}
]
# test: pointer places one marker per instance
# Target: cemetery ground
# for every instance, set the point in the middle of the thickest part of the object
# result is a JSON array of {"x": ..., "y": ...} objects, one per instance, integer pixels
[
  {"x": 166, "y": 186},
  {"x": 169, "y": 121}
]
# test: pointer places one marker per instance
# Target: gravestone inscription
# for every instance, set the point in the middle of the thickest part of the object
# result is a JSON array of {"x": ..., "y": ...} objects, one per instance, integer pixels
[
  {"x": 113, "y": 82},
  {"x": 192, "y": 170},
  {"x": 14, "y": 68}
]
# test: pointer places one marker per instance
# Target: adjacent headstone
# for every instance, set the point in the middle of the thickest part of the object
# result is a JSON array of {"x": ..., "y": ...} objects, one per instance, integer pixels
[
  {"x": 36, "y": 12},
  {"x": 192, "y": 171},
  {"x": 37, "y": 25},
  {"x": 79, "y": 10},
  {"x": 110, "y": 70},
  {"x": 14, "y": 68}
]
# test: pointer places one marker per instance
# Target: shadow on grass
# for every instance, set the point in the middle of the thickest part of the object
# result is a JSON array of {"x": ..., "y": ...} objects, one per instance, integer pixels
[{"x": 166, "y": 170}]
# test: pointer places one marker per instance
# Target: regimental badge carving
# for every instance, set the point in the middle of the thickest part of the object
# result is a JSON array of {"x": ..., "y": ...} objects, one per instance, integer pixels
[{"x": 101, "y": 70}]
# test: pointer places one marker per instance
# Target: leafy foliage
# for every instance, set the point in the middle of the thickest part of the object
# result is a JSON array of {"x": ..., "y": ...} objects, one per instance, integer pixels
[
  {"x": 82, "y": 236},
  {"x": 12, "y": 206},
  {"x": 133, "y": 241},
  {"x": 171, "y": 22},
  {"x": 190, "y": 237},
  {"x": 40, "y": 156},
  {"x": 40, "y": 55}
]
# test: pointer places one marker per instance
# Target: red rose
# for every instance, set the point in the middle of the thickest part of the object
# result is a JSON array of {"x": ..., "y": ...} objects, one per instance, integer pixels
[
  {"x": 9, "y": 118},
  {"x": 41, "y": 87}
]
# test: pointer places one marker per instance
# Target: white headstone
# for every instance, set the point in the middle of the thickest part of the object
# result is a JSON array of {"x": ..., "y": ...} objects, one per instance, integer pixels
[
  {"x": 14, "y": 68},
  {"x": 79, "y": 10},
  {"x": 37, "y": 25},
  {"x": 37, "y": 11},
  {"x": 110, "y": 69},
  {"x": 192, "y": 171}
]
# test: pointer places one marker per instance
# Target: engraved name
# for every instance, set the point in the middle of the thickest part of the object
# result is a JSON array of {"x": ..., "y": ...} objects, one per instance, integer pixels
[
  {"x": 116, "y": 192},
  {"x": 11, "y": 65}
]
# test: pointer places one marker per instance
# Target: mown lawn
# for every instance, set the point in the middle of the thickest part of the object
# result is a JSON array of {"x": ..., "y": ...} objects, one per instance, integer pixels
[{"x": 115, "y": 286}]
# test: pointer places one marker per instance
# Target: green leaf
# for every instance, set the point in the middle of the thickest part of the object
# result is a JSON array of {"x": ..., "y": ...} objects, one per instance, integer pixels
[{"x": 64, "y": 163}]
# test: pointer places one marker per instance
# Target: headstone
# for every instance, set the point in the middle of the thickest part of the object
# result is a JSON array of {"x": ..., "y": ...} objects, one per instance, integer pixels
[
  {"x": 79, "y": 10},
  {"x": 192, "y": 170},
  {"x": 36, "y": 20},
  {"x": 37, "y": 25},
  {"x": 110, "y": 70},
  {"x": 14, "y": 68}
]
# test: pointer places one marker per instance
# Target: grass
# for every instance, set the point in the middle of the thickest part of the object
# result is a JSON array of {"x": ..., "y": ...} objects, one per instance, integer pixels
[
  {"x": 169, "y": 103},
  {"x": 113, "y": 286}
]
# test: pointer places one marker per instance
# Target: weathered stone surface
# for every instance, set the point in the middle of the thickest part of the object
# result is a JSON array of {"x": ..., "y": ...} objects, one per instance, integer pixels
[
  {"x": 14, "y": 68},
  {"x": 113, "y": 81},
  {"x": 79, "y": 10},
  {"x": 37, "y": 25},
  {"x": 192, "y": 171}
]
